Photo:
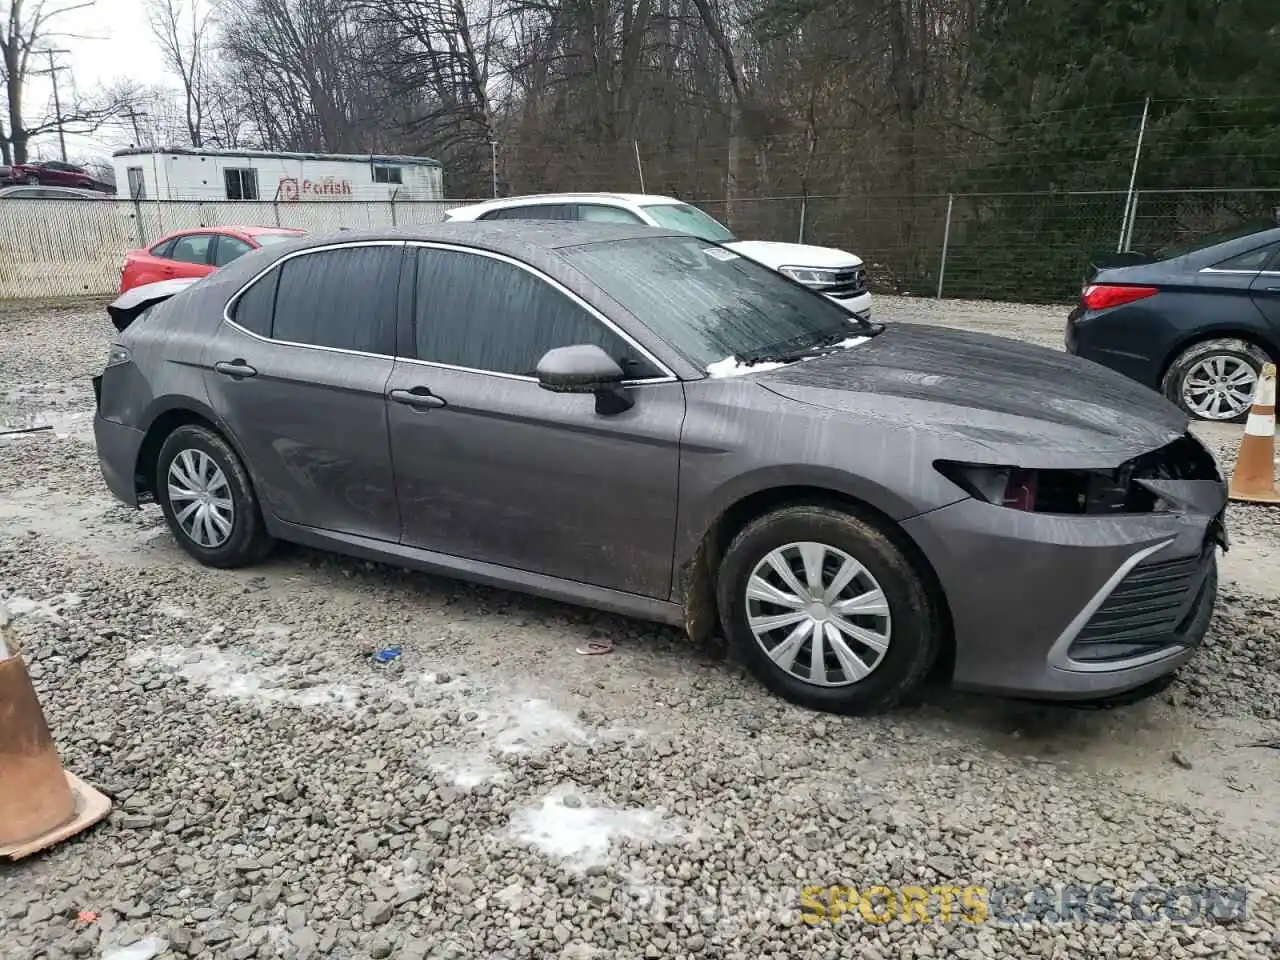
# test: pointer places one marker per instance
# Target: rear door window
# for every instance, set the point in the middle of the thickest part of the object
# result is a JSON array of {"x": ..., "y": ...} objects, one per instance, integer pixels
[
  {"x": 228, "y": 248},
  {"x": 534, "y": 211},
  {"x": 193, "y": 248},
  {"x": 342, "y": 299},
  {"x": 599, "y": 213}
]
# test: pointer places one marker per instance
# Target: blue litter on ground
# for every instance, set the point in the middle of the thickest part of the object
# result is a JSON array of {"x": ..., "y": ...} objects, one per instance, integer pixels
[{"x": 387, "y": 654}]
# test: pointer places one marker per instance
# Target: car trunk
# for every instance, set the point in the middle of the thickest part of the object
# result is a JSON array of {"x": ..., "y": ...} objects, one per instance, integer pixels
[{"x": 1109, "y": 261}]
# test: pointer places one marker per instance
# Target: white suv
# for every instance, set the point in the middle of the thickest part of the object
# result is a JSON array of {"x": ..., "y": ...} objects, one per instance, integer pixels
[{"x": 833, "y": 273}]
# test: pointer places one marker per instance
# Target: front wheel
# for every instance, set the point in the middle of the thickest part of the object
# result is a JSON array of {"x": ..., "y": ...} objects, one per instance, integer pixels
[
  {"x": 33, "y": 180},
  {"x": 827, "y": 610},
  {"x": 1215, "y": 379},
  {"x": 208, "y": 500}
]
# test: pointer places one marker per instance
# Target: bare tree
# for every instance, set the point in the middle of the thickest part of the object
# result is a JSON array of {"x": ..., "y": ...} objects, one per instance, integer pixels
[
  {"x": 23, "y": 26},
  {"x": 181, "y": 27}
]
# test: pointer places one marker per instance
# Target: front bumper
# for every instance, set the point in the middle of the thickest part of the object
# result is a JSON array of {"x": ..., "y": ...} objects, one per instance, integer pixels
[
  {"x": 859, "y": 304},
  {"x": 1071, "y": 607},
  {"x": 118, "y": 447}
]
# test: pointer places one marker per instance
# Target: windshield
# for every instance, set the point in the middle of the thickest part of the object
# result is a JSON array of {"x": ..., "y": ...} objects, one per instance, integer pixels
[
  {"x": 267, "y": 239},
  {"x": 1205, "y": 240},
  {"x": 687, "y": 219},
  {"x": 723, "y": 312}
]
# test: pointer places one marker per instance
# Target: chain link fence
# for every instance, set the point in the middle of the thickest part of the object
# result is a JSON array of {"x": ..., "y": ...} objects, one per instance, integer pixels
[
  {"x": 67, "y": 248},
  {"x": 1028, "y": 247}
]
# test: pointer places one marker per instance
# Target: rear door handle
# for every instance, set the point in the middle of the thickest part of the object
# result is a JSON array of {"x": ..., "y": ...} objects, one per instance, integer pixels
[
  {"x": 235, "y": 369},
  {"x": 420, "y": 398}
]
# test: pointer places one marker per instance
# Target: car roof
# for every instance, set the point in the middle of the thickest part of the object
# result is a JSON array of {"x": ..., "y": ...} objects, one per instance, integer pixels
[
  {"x": 228, "y": 228},
  {"x": 4, "y": 192},
  {"x": 634, "y": 198},
  {"x": 512, "y": 237}
]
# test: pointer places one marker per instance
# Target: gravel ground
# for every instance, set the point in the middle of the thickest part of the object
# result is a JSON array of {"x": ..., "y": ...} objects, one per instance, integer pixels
[{"x": 490, "y": 793}]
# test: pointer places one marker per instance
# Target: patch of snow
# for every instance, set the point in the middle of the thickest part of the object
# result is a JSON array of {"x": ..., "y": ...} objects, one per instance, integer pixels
[
  {"x": 466, "y": 771},
  {"x": 229, "y": 675},
  {"x": 529, "y": 725},
  {"x": 731, "y": 367},
  {"x": 50, "y": 609},
  {"x": 581, "y": 835},
  {"x": 144, "y": 949},
  {"x": 173, "y": 611}
]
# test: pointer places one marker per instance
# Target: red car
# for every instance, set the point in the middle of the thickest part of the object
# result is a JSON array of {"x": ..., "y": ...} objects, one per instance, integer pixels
[
  {"x": 196, "y": 253},
  {"x": 51, "y": 173}
]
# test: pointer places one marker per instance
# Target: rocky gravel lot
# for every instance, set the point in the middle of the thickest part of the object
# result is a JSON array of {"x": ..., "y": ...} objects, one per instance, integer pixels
[{"x": 492, "y": 793}]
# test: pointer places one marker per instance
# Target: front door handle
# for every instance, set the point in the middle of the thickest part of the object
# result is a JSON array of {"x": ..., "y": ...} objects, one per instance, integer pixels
[
  {"x": 236, "y": 369},
  {"x": 420, "y": 398}
]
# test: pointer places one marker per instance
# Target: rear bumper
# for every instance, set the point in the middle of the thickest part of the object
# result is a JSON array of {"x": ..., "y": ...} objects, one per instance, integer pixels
[
  {"x": 1071, "y": 607},
  {"x": 118, "y": 447}
]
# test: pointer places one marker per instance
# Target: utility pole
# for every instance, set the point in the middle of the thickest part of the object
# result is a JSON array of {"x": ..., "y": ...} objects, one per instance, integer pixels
[
  {"x": 57, "y": 103},
  {"x": 133, "y": 116}
]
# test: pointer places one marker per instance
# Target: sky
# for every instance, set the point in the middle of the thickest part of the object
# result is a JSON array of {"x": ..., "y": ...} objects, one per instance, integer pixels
[{"x": 109, "y": 41}]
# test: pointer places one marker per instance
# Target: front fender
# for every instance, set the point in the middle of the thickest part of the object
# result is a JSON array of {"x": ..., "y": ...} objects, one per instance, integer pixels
[{"x": 700, "y": 513}]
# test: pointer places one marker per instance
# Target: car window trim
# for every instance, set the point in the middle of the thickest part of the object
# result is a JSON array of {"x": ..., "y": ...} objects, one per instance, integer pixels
[
  {"x": 666, "y": 377},
  {"x": 235, "y": 298}
]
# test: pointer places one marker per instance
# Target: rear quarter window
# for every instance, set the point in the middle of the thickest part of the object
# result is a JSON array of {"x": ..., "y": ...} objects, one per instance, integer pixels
[{"x": 255, "y": 309}]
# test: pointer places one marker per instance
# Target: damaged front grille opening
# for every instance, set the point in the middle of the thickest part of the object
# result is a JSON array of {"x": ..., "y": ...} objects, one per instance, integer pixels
[{"x": 1087, "y": 492}]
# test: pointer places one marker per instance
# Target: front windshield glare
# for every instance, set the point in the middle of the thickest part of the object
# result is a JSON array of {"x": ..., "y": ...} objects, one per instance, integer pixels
[
  {"x": 708, "y": 302},
  {"x": 687, "y": 219}
]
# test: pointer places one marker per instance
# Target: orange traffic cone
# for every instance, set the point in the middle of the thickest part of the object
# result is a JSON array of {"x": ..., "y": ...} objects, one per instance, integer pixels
[
  {"x": 40, "y": 803},
  {"x": 1254, "y": 479}
]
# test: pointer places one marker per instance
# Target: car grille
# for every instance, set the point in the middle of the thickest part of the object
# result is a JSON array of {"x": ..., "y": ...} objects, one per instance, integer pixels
[
  {"x": 848, "y": 284},
  {"x": 1148, "y": 610}
]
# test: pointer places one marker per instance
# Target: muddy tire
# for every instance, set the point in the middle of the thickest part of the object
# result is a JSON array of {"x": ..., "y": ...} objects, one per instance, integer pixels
[
  {"x": 811, "y": 571},
  {"x": 1200, "y": 364},
  {"x": 208, "y": 500}
]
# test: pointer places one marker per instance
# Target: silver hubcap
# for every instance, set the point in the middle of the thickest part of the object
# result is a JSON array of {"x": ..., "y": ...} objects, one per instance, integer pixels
[
  {"x": 1219, "y": 387},
  {"x": 818, "y": 614},
  {"x": 201, "y": 498}
]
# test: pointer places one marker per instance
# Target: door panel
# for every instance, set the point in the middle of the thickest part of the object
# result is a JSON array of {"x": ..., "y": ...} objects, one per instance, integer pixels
[
  {"x": 312, "y": 425},
  {"x": 508, "y": 473},
  {"x": 310, "y": 414},
  {"x": 1266, "y": 294}
]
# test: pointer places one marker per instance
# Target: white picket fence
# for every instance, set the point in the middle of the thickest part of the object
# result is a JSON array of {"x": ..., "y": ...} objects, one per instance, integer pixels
[{"x": 52, "y": 249}]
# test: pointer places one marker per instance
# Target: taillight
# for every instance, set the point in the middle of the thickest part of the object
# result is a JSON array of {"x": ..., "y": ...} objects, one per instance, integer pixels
[{"x": 1102, "y": 296}]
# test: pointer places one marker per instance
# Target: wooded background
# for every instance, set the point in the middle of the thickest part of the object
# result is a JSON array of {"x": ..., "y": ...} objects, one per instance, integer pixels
[{"x": 863, "y": 120}]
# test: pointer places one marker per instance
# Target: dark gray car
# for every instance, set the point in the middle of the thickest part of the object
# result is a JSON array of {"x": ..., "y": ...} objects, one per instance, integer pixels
[{"x": 646, "y": 423}]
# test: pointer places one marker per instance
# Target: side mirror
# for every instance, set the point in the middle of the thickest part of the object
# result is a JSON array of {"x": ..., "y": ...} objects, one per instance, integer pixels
[{"x": 585, "y": 368}]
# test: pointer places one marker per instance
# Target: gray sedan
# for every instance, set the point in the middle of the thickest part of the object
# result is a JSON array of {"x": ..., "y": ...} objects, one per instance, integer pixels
[{"x": 647, "y": 423}]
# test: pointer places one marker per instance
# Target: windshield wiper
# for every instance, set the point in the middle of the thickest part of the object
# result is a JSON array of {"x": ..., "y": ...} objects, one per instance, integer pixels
[{"x": 785, "y": 353}]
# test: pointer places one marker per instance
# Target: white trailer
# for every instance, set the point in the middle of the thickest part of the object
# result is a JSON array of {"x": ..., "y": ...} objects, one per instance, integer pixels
[{"x": 184, "y": 173}]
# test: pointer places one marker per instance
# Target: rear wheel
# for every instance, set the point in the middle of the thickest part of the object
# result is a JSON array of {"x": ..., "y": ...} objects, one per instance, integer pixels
[
  {"x": 827, "y": 610},
  {"x": 207, "y": 499},
  {"x": 33, "y": 179},
  {"x": 1215, "y": 379}
]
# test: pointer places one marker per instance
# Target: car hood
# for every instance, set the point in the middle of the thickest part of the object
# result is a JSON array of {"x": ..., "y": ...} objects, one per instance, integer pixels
[
  {"x": 794, "y": 254},
  {"x": 987, "y": 399}
]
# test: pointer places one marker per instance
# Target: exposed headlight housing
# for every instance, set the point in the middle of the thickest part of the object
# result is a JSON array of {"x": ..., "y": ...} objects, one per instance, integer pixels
[
  {"x": 811, "y": 276},
  {"x": 118, "y": 355}
]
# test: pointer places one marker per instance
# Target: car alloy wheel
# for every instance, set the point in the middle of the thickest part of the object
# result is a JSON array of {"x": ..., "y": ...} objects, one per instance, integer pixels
[
  {"x": 201, "y": 499},
  {"x": 818, "y": 614},
  {"x": 1219, "y": 387}
]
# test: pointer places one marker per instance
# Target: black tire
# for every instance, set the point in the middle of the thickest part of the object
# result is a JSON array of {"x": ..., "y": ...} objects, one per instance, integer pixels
[
  {"x": 249, "y": 540},
  {"x": 33, "y": 180},
  {"x": 916, "y": 632},
  {"x": 1230, "y": 347}
]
